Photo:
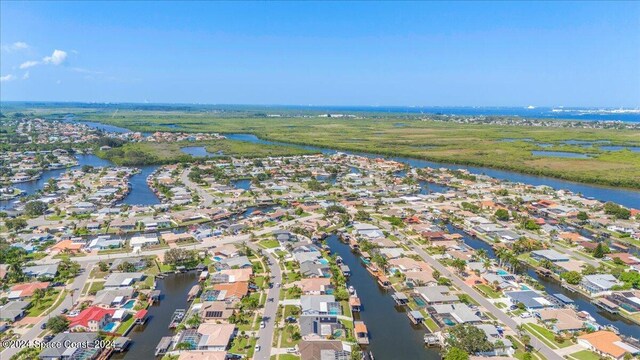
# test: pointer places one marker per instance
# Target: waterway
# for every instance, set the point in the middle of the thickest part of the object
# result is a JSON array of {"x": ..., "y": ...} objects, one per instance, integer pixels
[
  {"x": 139, "y": 194},
  {"x": 392, "y": 335},
  {"x": 199, "y": 151},
  {"x": 145, "y": 338},
  {"x": 626, "y": 197},
  {"x": 552, "y": 286}
]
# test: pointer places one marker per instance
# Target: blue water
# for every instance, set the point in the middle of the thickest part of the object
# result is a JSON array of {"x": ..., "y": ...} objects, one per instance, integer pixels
[
  {"x": 129, "y": 304},
  {"x": 502, "y": 272},
  {"x": 199, "y": 151},
  {"x": 109, "y": 327},
  {"x": 563, "y": 154},
  {"x": 619, "y": 148},
  {"x": 140, "y": 193},
  {"x": 244, "y": 184}
]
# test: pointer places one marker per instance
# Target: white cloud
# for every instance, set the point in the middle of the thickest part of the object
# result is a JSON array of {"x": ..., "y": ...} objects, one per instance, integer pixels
[
  {"x": 25, "y": 76},
  {"x": 9, "y": 77},
  {"x": 57, "y": 58},
  {"x": 16, "y": 46},
  {"x": 28, "y": 64}
]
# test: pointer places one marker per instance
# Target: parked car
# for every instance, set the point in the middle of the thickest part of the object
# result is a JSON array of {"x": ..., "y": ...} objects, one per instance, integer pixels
[{"x": 257, "y": 348}]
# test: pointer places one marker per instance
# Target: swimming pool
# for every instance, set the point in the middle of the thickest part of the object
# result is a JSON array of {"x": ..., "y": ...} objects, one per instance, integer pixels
[
  {"x": 217, "y": 258},
  {"x": 110, "y": 327},
  {"x": 129, "y": 304},
  {"x": 524, "y": 287},
  {"x": 448, "y": 322},
  {"x": 502, "y": 272},
  {"x": 323, "y": 261}
]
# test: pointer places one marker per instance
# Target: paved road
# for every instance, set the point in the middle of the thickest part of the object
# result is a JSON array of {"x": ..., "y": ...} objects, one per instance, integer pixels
[
  {"x": 265, "y": 335},
  {"x": 33, "y": 333},
  {"x": 507, "y": 320},
  {"x": 207, "y": 199}
]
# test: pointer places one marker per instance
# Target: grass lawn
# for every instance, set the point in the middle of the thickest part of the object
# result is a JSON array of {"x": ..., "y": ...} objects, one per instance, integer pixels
[
  {"x": 546, "y": 336},
  {"x": 260, "y": 281},
  {"x": 285, "y": 357},
  {"x": 43, "y": 304},
  {"x": 258, "y": 268},
  {"x": 431, "y": 325},
  {"x": 125, "y": 325},
  {"x": 96, "y": 286},
  {"x": 269, "y": 244},
  {"x": 287, "y": 336},
  {"x": 585, "y": 355},
  {"x": 292, "y": 277},
  {"x": 242, "y": 345},
  {"x": 488, "y": 291},
  {"x": 291, "y": 310}
]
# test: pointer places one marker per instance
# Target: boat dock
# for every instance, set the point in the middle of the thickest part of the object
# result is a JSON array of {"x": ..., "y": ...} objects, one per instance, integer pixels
[
  {"x": 194, "y": 292},
  {"x": 607, "y": 305},
  {"x": 432, "y": 340},
  {"x": 361, "y": 332},
  {"x": 177, "y": 317},
  {"x": 416, "y": 317},
  {"x": 163, "y": 346}
]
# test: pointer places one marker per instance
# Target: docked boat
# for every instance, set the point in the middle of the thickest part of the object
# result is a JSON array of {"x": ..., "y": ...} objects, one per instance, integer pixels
[
  {"x": 352, "y": 290},
  {"x": 177, "y": 317}
]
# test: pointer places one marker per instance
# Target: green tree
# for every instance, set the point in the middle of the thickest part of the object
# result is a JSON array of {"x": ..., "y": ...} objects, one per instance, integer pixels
[
  {"x": 58, "y": 324},
  {"x": 572, "y": 277},
  {"x": 502, "y": 214},
  {"x": 600, "y": 251},
  {"x": 35, "y": 208},
  {"x": 583, "y": 216},
  {"x": 469, "y": 339}
]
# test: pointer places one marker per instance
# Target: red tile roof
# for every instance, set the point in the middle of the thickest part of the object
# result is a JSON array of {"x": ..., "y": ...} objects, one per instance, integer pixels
[{"x": 89, "y": 314}]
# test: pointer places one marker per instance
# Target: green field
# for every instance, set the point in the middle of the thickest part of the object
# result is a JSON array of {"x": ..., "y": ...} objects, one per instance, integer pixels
[{"x": 417, "y": 137}]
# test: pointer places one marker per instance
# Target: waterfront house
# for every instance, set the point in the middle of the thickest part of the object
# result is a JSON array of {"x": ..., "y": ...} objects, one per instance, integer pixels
[
  {"x": 232, "y": 275},
  {"x": 561, "y": 320},
  {"x": 316, "y": 286},
  {"x": 315, "y": 349},
  {"x": 494, "y": 336},
  {"x": 529, "y": 298},
  {"x": 311, "y": 269},
  {"x": 233, "y": 291},
  {"x": 458, "y": 312},
  {"x": 550, "y": 255},
  {"x": 93, "y": 318},
  {"x": 125, "y": 279},
  {"x": 238, "y": 262},
  {"x": 215, "y": 310},
  {"x": 320, "y": 305},
  {"x": 599, "y": 283},
  {"x": 67, "y": 351},
  {"x": 436, "y": 294},
  {"x": 215, "y": 337},
  {"x": 113, "y": 297}
]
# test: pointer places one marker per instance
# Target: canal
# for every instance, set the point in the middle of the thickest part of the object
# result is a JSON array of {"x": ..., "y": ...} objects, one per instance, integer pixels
[
  {"x": 392, "y": 335},
  {"x": 139, "y": 194},
  {"x": 552, "y": 286},
  {"x": 145, "y": 338}
]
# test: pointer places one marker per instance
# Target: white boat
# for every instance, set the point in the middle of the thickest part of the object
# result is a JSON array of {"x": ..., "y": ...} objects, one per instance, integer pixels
[{"x": 352, "y": 290}]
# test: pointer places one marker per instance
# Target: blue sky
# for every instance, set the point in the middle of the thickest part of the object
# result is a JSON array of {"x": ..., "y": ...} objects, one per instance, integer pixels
[{"x": 426, "y": 54}]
